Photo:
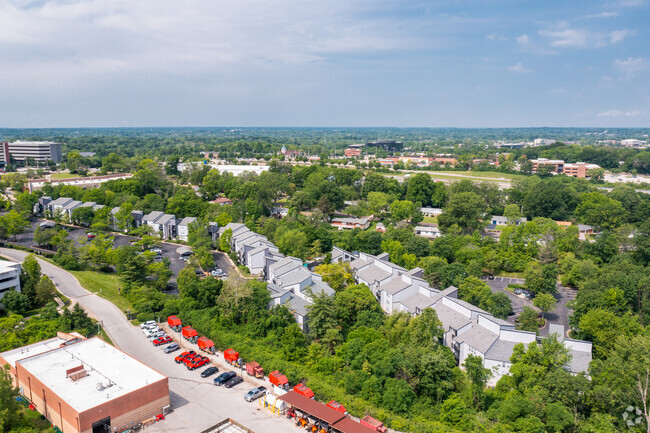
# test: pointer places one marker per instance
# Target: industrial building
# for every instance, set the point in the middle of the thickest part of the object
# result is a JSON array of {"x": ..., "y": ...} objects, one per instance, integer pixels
[
  {"x": 87, "y": 386},
  {"x": 39, "y": 151},
  {"x": 9, "y": 277}
]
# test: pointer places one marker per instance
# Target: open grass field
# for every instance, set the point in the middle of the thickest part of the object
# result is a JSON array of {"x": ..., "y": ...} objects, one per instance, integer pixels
[
  {"x": 105, "y": 285},
  {"x": 59, "y": 176}
]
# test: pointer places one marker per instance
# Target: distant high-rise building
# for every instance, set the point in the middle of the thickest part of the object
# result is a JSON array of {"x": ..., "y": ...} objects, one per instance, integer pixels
[
  {"x": 39, "y": 151},
  {"x": 4, "y": 152}
]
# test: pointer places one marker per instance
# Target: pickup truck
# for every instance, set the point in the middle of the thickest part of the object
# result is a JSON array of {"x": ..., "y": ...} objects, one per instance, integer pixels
[
  {"x": 162, "y": 340},
  {"x": 197, "y": 362},
  {"x": 255, "y": 393},
  {"x": 184, "y": 355}
]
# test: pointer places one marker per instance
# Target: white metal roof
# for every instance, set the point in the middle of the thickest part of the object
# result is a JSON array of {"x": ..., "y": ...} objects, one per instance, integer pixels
[{"x": 118, "y": 373}]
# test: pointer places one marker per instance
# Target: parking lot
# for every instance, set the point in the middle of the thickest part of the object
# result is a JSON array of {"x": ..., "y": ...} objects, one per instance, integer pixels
[{"x": 209, "y": 403}]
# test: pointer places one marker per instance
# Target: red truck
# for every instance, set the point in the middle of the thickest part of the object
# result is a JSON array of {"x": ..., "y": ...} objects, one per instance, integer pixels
[
  {"x": 190, "y": 334},
  {"x": 180, "y": 358},
  {"x": 174, "y": 323},
  {"x": 254, "y": 369},
  {"x": 278, "y": 379},
  {"x": 231, "y": 356},
  {"x": 303, "y": 389},
  {"x": 197, "y": 362},
  {"x": 372, "y": 423},
  {"x": 162, "y": 340},
  {"x": 337, "y": 406},
  {"x": 206, "y": 345}
]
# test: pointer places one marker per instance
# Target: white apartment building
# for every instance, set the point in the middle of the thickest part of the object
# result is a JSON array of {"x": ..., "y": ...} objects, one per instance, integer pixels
[{"x": 9, "y": 277}]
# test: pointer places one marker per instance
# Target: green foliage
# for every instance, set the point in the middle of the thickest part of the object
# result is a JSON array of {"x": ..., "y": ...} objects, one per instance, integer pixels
[
  {"x": 465, "y": 210},
  {"x": 527, "y": 320}
]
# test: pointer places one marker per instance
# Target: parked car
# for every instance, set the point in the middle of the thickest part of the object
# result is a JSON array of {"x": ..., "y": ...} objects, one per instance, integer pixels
[
  {"x": 157, "y": 250},
  {"x": 234, "y": 381},
  {"x": 197, "y": 362},
  {"x": 162, "y": 340},
  {"x": 183, "y": 355},
  {"x": 199, "y": 272},
  {"x": 155, "y": 335},
  {"x": 172, "y": 348},
  {"x": 147, "y": 324},
  {"x": 490, "y": 277},
  {"x": 218, "y": 273},
  {"x": 224, "y": 377},
  {"x": 209, "y": 371},
  {"x": 255, "y": 393},
  {"x": 90, "y": 235}
]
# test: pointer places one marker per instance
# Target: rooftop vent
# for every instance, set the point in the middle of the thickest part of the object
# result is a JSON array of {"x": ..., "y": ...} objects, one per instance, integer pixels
[{"x": 76, "y": 373}]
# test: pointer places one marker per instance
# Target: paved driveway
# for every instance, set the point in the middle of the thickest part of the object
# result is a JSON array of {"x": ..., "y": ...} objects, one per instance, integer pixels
[{"x": 196, "y": 402}]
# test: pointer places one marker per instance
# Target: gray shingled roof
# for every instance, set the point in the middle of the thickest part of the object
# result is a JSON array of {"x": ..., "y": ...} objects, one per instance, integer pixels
[
  {"x": 373, "y": 273},
  {"x": 166, "y": 218},
  {"x": 72, "y": 205},
  {"x": 296, "y": 276},
  {"x": 501, "y": 350},
  {"x": 60, "y": 201},
  {"x": 321, "y": 287},
  {"x": 298, "y": 305},
  {"x": 449, "y": 317},
  {"x": 394, "y": 286},
  {"x": 187, "y": 221},
  {"x": 579, "y": 361},
  {"x": 152, "y": 216},
  {"x": 417, "y": 301},
  {"x": 478, "y": 337}
]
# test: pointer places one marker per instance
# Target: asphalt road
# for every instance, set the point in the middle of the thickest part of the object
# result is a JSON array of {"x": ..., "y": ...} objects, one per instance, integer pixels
[
  {"x": 559, "y": 316},
  {"x": 197, "y": 403}
]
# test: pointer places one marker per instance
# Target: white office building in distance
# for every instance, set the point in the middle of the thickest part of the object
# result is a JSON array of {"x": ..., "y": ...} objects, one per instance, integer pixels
[{"x": 39, "y": 151}]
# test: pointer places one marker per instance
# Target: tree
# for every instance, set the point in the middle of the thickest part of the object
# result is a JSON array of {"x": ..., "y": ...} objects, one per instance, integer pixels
[
  {"x": 420, "y": 189},
  {"x": 13, "y": 223},
  {"x": 224, "y": 241},
  {"x": 353, "y": 301},
  {"x": 464, "y": 209},
  {"x": 478, "y": 375},
  {"x": 398, "y": 395},
  {"x": 30, "y": 276},
  {"x": 322, "y": 315},
  {"x": 377, "y": 202},
  {"x": 16, "y": 302},
  {"x": 45, "y": 291},
  {"x": 337, "y": 275},
  {"x": 527, "y": 320},
  {"x": 541, "y": 279},
  {"x": 500, "y": 305},
  {"x": 292, "y": 242},
  {"x": 426, "y": 329},
  {"x": 403, "y": 210},
  {"x": 160, "y": 273},
  {"x": 545, "y": 302},
  {"x": 513, "y": 214},
  {"x": 124, "y": 217},
  {"x": 475, "y": 291},
  {"x": 9, "y": 406},
  {"x": 601, "y": 211},
  {"x": 293, "y": 343}
]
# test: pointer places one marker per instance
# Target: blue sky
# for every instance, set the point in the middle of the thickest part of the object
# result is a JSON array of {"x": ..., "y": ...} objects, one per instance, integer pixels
[{"x": 462, "y": 63}]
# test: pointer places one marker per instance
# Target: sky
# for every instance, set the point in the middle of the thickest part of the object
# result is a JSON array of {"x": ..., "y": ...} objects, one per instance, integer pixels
[{"x": 452, "y": 63}]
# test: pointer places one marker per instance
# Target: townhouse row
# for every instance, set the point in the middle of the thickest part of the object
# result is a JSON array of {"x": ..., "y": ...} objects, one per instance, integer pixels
[
  {"x": 467, "y": 328},
  {"x": 167, "y": 226},
  {"x": 290, "y": 283}
]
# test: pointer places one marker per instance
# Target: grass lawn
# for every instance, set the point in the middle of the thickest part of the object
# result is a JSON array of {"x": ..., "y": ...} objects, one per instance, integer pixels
[
  {"x": 511, "y": 274},
  {"x": 431, "y": 220},
  {"x": 105, "y": 285},
  {"x": 63, "y": 175}
]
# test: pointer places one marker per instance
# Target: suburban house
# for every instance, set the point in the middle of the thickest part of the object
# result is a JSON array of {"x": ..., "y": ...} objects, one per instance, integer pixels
[
  {"x": 221, "y": 201},
  {"x": 497, "y": 220},
  {"x": 429, "y": 232},
  {"x": 279, "y": 212},
  {"x": 351, "y": 223},
  {"x": 431, "y": 211},
  {"x": 380, "y": 227}
]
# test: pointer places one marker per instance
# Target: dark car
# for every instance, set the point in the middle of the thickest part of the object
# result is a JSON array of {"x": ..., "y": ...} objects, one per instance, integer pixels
[
  {"x": 209, "y": 371},
  {"x": 234, "y": 381},
  {"x": 224, "y": 377},
  {"x": 172, "y": 348},
  {"x": 255, "y": 393},
  {"x": 490, "y": 277}
]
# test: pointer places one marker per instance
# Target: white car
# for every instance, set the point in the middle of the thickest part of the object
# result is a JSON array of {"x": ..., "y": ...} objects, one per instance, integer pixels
[
  {"x": 149, "y": 331},
  {"x": 156, "y": 335},
  {"x": 148, "y": 324}
]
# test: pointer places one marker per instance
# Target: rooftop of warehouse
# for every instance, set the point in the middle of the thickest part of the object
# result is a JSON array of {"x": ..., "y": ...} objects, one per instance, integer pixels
[{"x": 118, "y": 373}]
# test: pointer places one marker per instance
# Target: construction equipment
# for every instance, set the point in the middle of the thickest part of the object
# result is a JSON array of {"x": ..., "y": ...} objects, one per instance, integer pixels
[
  {"x": 231, "y": 356},
  {"x": 190, "y": 334},
  {"x": 374, "y": 424},
  {"x": 206, "y": 345},
  {"x": 337, "y": 406},
  {"x": 303, "y": 389},
  {"x": 278, "y": 379},
  {"x": 174, "y": 323},
  {"x": 254, "y": 369}
]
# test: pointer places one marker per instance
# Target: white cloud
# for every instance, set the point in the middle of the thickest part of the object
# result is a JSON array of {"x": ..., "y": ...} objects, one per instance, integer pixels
[
  {"x": 496, "y": 37},
  {"x": 618, "y": 113},
  {"x": 618, "y": 35},
  {"x": 601, "y": 15},
  {"x": 562, "y": 35},
  {"x": 523, "y": 40},
  {"x": 519, "y": 68},
  {"x": 631, "y": 66}
]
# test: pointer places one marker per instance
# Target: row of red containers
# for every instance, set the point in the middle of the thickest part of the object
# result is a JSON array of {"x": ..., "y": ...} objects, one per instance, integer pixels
[{"x": 254, "y": 369}]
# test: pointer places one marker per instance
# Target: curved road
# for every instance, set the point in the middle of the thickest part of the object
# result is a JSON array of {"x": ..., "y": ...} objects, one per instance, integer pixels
[{"x": 196, "y": 402}]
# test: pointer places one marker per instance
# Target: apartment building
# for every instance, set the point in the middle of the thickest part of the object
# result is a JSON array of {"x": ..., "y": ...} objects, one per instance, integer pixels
[
  {"x": 184, "y": 228},
  {"x": 9, "y": 277},
  {"x": 467, "y": 328},
  {"x": 161, "y": 223},
  {"x": 39, "y": 151}
]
